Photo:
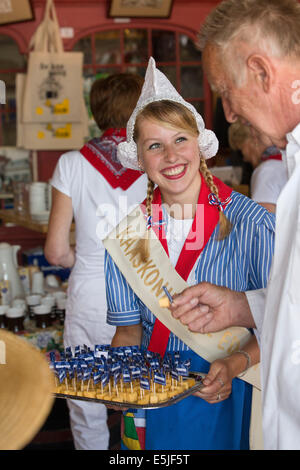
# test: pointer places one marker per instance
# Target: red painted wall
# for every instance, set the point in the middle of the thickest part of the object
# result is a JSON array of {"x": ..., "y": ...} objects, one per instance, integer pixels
[{"x": 87, "y": 16}]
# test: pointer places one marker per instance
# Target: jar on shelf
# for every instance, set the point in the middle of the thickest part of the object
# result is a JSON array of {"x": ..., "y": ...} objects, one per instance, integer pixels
[
  {"x": 61, "y": 310},
  {"x": 59, "y": 295},
  {"x": 50, "y": 301},
  {"x": 42, "y": 314},
  {"x": 3, "y": 321},
  {"x": 32, "y": 301},
  {"x": 15, "y": 319}
]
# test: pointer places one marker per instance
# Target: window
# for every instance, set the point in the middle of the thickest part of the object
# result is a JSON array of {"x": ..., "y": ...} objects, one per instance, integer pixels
[
  {"x": 128, "y": 50},
  {"x": 11, "y": 63}
]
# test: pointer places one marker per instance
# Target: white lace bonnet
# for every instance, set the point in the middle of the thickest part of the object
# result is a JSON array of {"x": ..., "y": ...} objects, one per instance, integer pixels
[{"x": 156, "y": 88}]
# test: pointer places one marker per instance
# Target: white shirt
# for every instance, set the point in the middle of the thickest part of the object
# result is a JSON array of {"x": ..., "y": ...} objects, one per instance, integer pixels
[
  {"x": 97, "y": 209},
  {"x": 279, "y": 320},
  {"x": 267, "y": 181},
  {"x": 177, "y": 231}
]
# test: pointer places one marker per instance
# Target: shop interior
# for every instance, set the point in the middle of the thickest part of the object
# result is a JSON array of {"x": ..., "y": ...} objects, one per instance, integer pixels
[{"x": 109, "y": 44}]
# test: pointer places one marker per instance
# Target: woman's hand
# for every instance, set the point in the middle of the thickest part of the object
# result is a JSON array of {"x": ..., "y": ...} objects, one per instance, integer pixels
[{"x": 217, "y": 383}]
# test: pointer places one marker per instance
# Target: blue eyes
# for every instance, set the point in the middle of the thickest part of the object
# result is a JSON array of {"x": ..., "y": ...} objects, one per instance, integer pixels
[
  {"x": 154, "y": 146},
  {"x": 157, "y": 145}
]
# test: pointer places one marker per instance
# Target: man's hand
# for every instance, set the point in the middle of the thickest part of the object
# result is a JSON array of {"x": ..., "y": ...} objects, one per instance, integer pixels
[{"x": 206, "y": 308}]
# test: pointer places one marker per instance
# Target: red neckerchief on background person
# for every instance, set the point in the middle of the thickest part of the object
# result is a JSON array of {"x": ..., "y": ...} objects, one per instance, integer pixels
[
  {"x": 188, "y": 257},
  {"x": 271, "y": 153},
  {"x": 101, "y": 152},
  {"x": 272, "y": 157}
]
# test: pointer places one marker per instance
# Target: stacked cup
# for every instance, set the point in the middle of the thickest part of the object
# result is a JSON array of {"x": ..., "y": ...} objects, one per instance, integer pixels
[
  {"x": 38, "y": 197},
  {"x": 43, "y": 315},
  {"x": 37, "y": 286},
  {"x": 32, "y": 301},
  {"x": 61, "y": 300},
  {"x": 49, "y": 300}
]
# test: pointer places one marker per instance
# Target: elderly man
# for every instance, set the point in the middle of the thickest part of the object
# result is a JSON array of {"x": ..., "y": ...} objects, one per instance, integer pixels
[{"x": 251, "y": 56}]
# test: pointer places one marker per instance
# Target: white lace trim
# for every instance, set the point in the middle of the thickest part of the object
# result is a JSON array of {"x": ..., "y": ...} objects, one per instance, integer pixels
[{"x": 157, "y": 88}]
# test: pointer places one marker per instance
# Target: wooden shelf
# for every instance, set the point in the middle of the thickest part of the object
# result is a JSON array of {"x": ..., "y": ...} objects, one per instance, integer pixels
[{"x": 10, "y": 216}]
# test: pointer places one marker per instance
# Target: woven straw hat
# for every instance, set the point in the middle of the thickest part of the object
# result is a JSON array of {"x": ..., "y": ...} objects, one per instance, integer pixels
[{"x": 26, "y": 386}]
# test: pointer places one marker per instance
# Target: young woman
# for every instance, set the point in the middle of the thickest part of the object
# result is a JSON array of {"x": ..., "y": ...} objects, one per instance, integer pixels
[{"x": 235, "y": 251}]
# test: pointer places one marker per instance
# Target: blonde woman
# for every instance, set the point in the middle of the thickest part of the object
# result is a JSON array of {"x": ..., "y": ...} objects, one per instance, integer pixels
[{"x": 167, "y": 139}]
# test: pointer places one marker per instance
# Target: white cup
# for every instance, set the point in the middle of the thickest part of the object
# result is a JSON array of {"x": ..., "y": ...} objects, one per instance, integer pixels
[
  {"x": 61, "y": 309},
  {"x": 42, "y": 315},
  {"x": 42, "y": 309},
  {"x": 48, "y": 300},
  {"x": 61, "y": 304},
  {"x": 15, "y": 312},
  {"x": 3, "y": 309},
  {"x": 19, "y": 303},
  {"x": 37, "y": 286},
  {"x": 38, "y": 197},
  {"x": 33, "y": 299},
  {"x": 59, "y": 295},
  {"x": 52, "y": 281}
]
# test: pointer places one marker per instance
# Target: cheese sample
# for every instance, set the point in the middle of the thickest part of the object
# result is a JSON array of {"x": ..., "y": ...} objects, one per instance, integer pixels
[{"x": 164, "y": 302}]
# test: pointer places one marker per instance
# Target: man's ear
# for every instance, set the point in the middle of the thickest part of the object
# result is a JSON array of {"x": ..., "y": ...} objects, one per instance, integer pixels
[{"x": 261, "y": 69}]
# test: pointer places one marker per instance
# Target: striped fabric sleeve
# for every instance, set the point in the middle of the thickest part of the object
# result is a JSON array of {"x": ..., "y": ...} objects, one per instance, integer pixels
[
  {"x": 122, "y": 303},
  {"x": 261, "y": 252}
]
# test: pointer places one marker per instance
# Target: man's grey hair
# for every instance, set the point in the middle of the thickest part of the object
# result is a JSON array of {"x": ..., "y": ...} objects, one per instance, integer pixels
[{"x": 272, "y": 26}]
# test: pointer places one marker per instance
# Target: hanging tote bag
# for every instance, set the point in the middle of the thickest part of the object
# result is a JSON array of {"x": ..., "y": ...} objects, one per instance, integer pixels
[
  {"x": 47, "y": 117},
  {"x": 54, "y": 80},
  {"x": 48, "y": 136}
]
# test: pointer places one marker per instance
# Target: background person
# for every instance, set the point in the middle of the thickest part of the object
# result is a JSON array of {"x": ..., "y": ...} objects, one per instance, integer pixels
[
  {"x": 85, "y": 182},
  {"x": 260, "y": 40},
  {"x": 269, "y": 171}
]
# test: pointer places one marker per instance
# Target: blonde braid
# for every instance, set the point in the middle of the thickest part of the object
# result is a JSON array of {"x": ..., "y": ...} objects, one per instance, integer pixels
[
  {"x": 142, "y": 247},
  {"x": 225, "y": 225}
]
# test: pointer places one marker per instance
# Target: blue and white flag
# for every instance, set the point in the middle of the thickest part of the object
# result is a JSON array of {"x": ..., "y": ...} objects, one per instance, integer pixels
[
  {"x": 160, "y": 378},
  {"x": 145, "y": 383},
  {"x": 126, "y": 375}
]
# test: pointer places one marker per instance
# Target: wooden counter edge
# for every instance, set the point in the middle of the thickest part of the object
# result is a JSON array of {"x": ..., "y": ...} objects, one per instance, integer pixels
[{"x": 10, "y": 216}]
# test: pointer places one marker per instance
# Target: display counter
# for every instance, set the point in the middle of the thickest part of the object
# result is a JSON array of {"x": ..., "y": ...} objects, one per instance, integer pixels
[
  {"x": 10, "y": 216},
  {"x": 26, "y": 221},
  {"x": 46, "y": 340}
]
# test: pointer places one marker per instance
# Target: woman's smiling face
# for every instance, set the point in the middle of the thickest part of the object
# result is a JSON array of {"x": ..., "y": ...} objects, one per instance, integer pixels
[{"x": 170, "y": 157}]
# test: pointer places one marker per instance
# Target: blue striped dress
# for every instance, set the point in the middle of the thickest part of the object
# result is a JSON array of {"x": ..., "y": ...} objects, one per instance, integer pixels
[{"x": 240, "y": 262}]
